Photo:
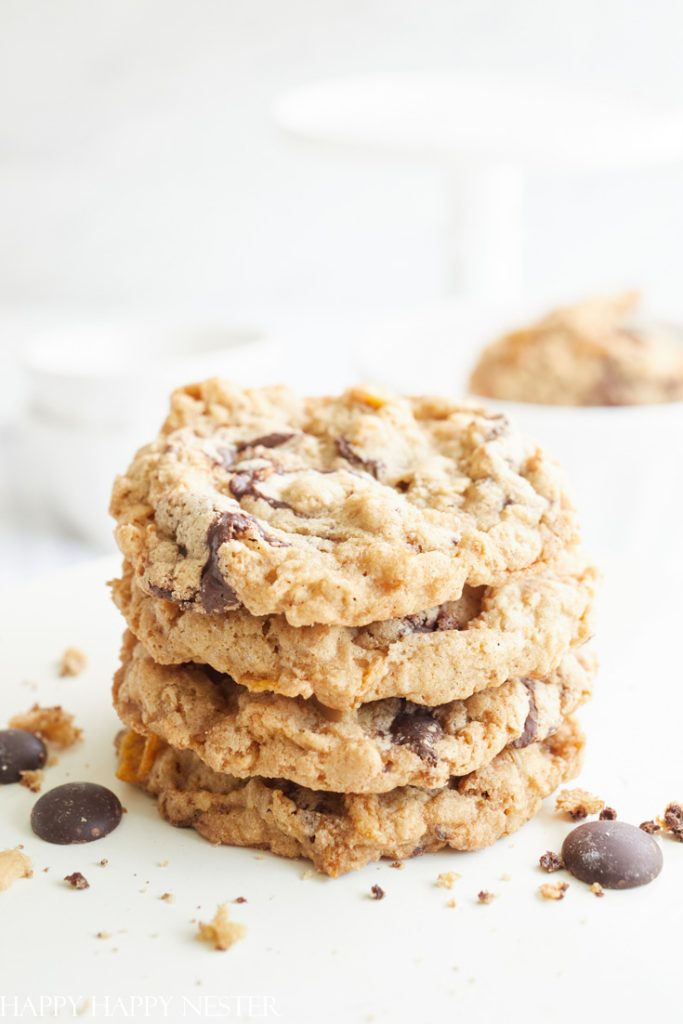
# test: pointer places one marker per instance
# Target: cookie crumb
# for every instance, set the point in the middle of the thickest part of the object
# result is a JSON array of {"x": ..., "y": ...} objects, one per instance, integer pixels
[
  {"x": 597, "y": 889},
  {"x": 13, "y": 865},
  {"x": 103, "y": 863},
  {"x": 485, "y": 896},
  {"x": 221, "y": 932},
  {"x": 398, "y": 864},
  {"x": 578, "y": 803},
  {"x": 608, "y": 814},
  {"x": 451, "y": 903},
  {"x": 77, "y": 880},
  {"x": 103, "y": 935},
  {"x": 308, "y": 873},
  {"x": 650, "y": 827},
  {"x": 672, "y": 822},
  {"x": 447, "y": 879},
  {"x": 53, "y": 725},
  {"x": 73, "y": 662},
  {"x": 32, "y": 779},
  {"x": 550, "y": 862},
  {"x": 167, "y": 897},
  {"x": 240, "y": 899},
  {"x": 163, "y": 864},
  {"x": 377, "y": 892},
  {"x": 505, "y": 877},
  {"x": 553, "y": 890}
]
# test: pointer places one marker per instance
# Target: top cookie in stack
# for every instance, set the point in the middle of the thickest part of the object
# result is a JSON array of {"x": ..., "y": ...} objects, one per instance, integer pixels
[{"x": 379, "y": 596}]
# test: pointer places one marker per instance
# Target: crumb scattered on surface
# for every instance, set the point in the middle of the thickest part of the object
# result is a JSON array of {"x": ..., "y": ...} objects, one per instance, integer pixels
[
  {"x": 553, "y": 890},
  {"x": 308, "y": 873},
  {"x": 240, "y": 899},
  {"x": 103, "y": 863},
  {"x": 505, "y": 877},
  {"x": 447, "y": 879},
  {"x": 73, "y": 662},
  {"x": 578, "y": 803},
  {"x": 550, "y": 862},
  {"x": 221, "y": 932},
  {"x": 53, "y": 725},
  {"x": 77, "y": 881},
  {"x": 485, "y": 896},
  {"x": 451, "y": 903},
  {"x": 32, "y": 779},
  {"x": 398, "y": 864},
  {"x": 377, "y": 892},
  {"x": 672, "y": 821},
  {"x": 103, "y": 935},
  {"x": 597, "y": 889},
  {"x": 650, "y": 827},
  {"x": 167, "y": 897},
  {"x": 13, "y": 865},
  {"x": 608, "y": 814},
  {"x": 163, "y": 864}
]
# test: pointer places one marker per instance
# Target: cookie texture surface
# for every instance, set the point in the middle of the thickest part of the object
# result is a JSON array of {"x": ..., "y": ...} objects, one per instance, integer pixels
[
  {"x": 341, "y": 832},
  {"x": 588, "y": 354},
  {"x": 522, "y": 628},
  {"x": 382, "y": 745},
  {"x": 344, "y": 510}
]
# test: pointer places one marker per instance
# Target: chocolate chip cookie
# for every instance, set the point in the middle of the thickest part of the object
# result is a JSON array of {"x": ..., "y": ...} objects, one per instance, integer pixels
[
  {"x": 380, "y": 746},
  {"x": 587, "y": 354},
  {"x": 343, "y": 511},
  {"x": 521, "y": 628},
  {"x": 341, "y": 832}
]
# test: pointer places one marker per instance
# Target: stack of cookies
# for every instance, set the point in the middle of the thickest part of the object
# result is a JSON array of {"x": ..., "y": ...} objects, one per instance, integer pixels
[{"x": 356, "y": 625}]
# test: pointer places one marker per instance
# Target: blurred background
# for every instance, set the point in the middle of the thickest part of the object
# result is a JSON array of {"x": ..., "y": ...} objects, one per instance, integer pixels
[{"x": 169, "y": 207}]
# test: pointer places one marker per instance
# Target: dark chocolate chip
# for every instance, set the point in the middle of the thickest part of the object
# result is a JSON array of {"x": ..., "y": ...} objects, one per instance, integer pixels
[
  {"x": 613, "y": 853},
  {"x": 77, "y": 812},
  {"x": 163, "y": 592},
  {"x": 20, "y": 751},
  {"x": 417, "y": 730},
  {"x": 530, "y": 730},
  {"x": 372, "y": 466},
  {"x": 266, "y": 441},
  {"x": 214, "y": 593}
]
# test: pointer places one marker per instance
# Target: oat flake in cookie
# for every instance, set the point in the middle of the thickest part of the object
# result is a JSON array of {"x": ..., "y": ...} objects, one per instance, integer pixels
[{"x": 344, "y": 510}]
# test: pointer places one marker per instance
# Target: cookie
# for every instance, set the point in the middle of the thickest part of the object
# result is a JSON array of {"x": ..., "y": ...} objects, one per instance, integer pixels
[
  {"x": 342, "y": 832},
  {"x": 521, "y": 628},
  {"x": 382, "y": 745},
  {"x": 343, "y": 511},
  {"x": 587, "y": 354}
]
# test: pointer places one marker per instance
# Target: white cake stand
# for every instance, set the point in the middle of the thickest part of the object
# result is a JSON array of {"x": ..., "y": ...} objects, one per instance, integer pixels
[{"x": 487, "y": 133}]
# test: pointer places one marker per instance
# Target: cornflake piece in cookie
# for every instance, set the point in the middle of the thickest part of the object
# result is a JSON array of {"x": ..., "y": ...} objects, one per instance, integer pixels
[
  {"x": 53, "y": 725},
  {"x": 221, "y": 932},
  {"x": 377, "y": 892},
  {"x": 77, "y": 880},
  {"x": 597, "y": 889},
  {"x": 73, "y": 662},
  {"x": 578, "y": 803},
  {"x": 650, "y": 827},
  {"x": 553, "y": 890},
  {"x": 672, "y": 822},
  {"x": 13, "y": 865},
  {"x": 550, "y": 861},
  {"x": 447, "y": 879},
  {"x": 32, "y": 780},
  {"x": 485, "y": 896}
]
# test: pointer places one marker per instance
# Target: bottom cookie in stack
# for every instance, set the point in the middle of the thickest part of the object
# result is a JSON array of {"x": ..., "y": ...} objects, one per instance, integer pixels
[{"x": 389, "y": 779}]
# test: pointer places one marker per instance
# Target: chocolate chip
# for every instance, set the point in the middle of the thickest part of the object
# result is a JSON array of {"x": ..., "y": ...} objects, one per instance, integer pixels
[
  {"x": 530, "y": 730},
  {"x": 77, "y": 880},
  {"x": 20, "y": 751},
  {"x": 162, "y": 592},
  {"x": 77, "y": 812},
  {"x": 214, "y": 593},
  {"x": 617, "y": 855},
  {"x": 266, "y": 441},
  {"x": 372, "y": 466},
  {"x": 243, "y": 484},
  {"x": 417, "y": 730}
]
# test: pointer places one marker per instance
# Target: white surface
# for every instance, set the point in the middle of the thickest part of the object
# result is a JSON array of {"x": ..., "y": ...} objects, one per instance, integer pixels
[
  {"x": 483, "y": 119},
  {"x": 321, "y": 949}
]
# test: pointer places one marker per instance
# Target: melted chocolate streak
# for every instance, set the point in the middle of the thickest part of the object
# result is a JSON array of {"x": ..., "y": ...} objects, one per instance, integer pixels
[
  {"x": 372, "y": 466},
  {"x": 243, "y": 484},
  {"x": 215, "y": 594}
]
